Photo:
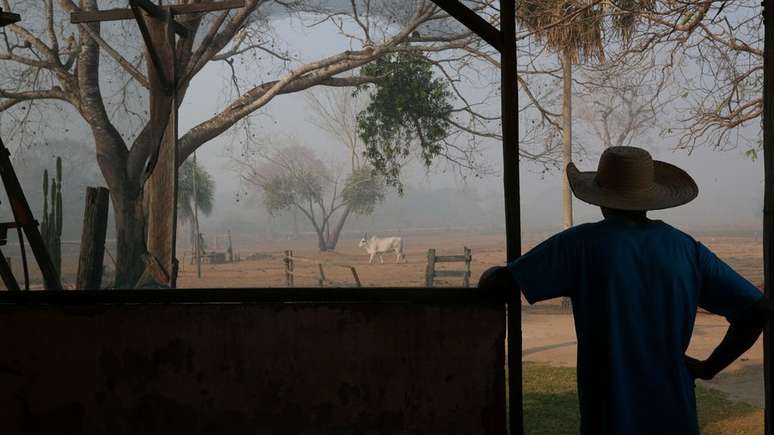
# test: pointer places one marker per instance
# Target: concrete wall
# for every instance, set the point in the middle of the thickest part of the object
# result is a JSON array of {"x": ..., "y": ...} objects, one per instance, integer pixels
[{"x": 252, "y": 368}]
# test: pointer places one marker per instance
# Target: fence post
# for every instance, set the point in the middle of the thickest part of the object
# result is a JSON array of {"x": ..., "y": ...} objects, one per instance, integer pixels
[
  {"x": 357, "y": 278},
  {"x": 230, "y": 248},
  {"x": 322, "y": 275},
  {"x": 430, "y": 271},
  {"x": 292, "y": 270},
  {"x": 288, "y": 275},
  {"x": 468, "y": 259},
  {"x": 92, "y": 253}
]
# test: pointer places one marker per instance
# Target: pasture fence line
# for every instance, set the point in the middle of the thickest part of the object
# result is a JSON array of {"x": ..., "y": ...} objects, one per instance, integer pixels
[
  {"x": 290, "y": 270},
  {"x": 432, "y": 259}
]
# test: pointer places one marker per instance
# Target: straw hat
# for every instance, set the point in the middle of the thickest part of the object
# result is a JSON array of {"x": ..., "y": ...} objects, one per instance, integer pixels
[{"x": 628, "y": 178}]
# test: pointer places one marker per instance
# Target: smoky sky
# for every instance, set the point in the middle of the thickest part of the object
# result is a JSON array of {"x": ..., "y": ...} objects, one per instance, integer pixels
[{"x": 730, "y": 183}]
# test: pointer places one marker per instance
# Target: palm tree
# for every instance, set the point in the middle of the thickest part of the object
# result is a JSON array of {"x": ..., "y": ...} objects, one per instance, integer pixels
[
  {"x": 574, "y": 30},
  {"x": 194, "y": 178}
]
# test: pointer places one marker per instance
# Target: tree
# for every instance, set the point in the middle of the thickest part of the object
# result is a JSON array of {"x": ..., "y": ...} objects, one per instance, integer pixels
[
  {"x": 716, "y": 51},
  {"x": 186, "y": 199},
  {"x": 294, "y": 178},
  {"x": 577, "y": 36},
  {"x": 409, "y": 107},
  {"x": 90, "y": 70},
  {"x": 620, "y": 103}
]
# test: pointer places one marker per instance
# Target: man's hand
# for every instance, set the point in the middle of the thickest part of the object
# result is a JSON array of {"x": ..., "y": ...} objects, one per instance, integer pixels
[
  {"x": 698, "y": 369},
  {"x": 496, "y": 283}
]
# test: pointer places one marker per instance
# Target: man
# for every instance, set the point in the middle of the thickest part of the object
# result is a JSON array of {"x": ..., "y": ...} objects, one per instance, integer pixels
[{"x": 635, "y": 285}]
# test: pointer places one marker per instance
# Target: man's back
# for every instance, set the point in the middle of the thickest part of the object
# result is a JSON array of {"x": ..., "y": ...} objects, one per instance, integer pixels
[{"x": 635, "y": 288}]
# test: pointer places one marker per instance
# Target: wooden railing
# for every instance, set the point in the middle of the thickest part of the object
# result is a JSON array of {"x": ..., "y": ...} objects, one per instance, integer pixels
[
  {"x": 431, "y": 274},
  {"x": 290, "y": 270}
]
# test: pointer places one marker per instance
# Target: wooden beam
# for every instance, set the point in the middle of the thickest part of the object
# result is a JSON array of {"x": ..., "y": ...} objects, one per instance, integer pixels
[
  {"x": 101, "y": 16},
  {"x": 768, "y": 209},
  {"x": 7, "y": 18},
  {"x": 126, "y": 14},
  {"x": 472, "y": 21},
  {"x": 150, "y": 45},
  {"x": 205, "y": 7},
  {"x": 159, "y": 14},
  {"x": 510, "y": 131}
]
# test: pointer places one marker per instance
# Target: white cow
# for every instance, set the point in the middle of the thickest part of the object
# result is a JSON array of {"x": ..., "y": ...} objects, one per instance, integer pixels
[{"x": 376, "y": 246}]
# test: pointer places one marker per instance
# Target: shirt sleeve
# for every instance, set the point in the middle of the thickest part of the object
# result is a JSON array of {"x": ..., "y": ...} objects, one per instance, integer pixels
[
  {"x": 723, "y": 291},
  {"x": 547, "y": 271}
]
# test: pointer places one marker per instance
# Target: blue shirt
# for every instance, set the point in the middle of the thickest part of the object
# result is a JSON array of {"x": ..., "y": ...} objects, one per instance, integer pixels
[{"x": 635, "y": 288}]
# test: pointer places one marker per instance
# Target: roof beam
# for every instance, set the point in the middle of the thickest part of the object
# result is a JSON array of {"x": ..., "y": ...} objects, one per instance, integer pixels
[
  {"x": 472, "y": 21},
  {"x": 7, "y": 18},
  {"x": 126, "y": 14},
  {"x": 159, "y": 14}
]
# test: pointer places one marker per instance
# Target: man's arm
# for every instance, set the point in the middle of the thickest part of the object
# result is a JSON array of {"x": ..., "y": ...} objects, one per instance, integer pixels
[{"x": 742, "y": 333}]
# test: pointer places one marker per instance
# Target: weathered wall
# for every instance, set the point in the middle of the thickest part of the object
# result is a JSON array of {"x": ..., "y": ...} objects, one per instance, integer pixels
[{"x": 251, "y": 368}]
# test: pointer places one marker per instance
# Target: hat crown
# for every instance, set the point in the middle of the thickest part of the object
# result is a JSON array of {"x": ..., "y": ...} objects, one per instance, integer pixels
[{"x": 625, "y": 169}]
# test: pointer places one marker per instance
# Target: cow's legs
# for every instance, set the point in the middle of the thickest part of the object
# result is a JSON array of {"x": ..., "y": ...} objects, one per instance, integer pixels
[
  {"x": 371, "y": 260},
  {"x": 381, "y": 258}
]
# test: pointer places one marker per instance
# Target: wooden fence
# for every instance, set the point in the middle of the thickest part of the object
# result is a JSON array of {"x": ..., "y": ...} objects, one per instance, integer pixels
[
  {"x": 290, "y": 270},
  {"x": 431, "y": 274}
]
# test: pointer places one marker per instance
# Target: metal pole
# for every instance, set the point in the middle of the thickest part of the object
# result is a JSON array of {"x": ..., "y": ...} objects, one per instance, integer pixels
[
  {"x": 510, "y": 126},
  {"x": 768, "y": 212}
]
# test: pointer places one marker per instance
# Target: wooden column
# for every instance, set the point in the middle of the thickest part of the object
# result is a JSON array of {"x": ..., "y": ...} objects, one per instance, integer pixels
[
  {"x": 768, "y": 206},
  {"x": 95, "y": 220},
  {"x": 510, "y": 123},
  {"x": 161, "y": 185}
]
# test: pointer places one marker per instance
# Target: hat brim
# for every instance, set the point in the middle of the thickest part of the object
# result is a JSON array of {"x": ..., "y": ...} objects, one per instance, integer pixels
[{"x": 672, "y": 187}]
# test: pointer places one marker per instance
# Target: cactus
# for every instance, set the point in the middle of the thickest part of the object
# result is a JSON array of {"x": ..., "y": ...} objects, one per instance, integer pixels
[{"x": 51, "y": 227}]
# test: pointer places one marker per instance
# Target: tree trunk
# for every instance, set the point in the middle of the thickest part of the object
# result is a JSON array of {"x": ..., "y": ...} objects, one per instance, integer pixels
[
  {"x": 321, "y": 242},
  {"x": 567, "y": 147},
  {"x": 130, "y": 237},
  {"x": 334, "y": 239},
  {"x": 566, "y": 138}
]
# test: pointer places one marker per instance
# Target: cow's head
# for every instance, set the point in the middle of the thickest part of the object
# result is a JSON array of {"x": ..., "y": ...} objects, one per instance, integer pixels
[{"x": 364, "y": 241}]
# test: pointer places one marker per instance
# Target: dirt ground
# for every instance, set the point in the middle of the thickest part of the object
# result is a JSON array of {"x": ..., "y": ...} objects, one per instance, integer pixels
[{"x": 743, "y": 254}]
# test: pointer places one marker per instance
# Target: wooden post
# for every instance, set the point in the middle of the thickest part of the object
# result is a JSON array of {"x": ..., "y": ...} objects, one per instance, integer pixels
[
  {"x": 7, "y": 276},
  {"x": 430, "y": 271},
  {"x": 322, "y": 275},
  {"x": 468, "y": 259},
  {"x": 768, "y": 210},
  {"x": 286, "y": 261},
  {"x": 230, "y": 248},
  {"x": 95, "y": 220},
  {"x": 292, "y": 271},
  {"x": 510, "y": 133},
  {"x": 357, "y": 278},
  {"x": 161, "y": 185}
]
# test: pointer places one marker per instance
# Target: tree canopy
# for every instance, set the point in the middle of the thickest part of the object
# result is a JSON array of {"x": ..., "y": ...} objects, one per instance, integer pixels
[{"x": 409, "y": 107}]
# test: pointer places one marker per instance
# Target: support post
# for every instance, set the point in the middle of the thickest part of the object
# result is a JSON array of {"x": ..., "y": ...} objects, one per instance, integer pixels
[
  {"x": 768, "y": 209},
  {"x": 510, "y": 133},
  {"x": 161, "y": 184},
  {"x": 95, "y": 220},
  {"x": 7, "y": 275}
]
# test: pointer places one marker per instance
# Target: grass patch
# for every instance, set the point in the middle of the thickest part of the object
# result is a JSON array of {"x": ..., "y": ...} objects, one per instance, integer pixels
[{"x": 551, "y": 406}]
